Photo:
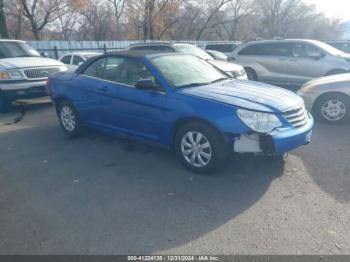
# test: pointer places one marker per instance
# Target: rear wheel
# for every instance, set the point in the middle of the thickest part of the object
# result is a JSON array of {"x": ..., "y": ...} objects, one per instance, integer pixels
[
  {"x": 333, "y": 108},
  {"x": 200, "y": 148},
  {"x": 69, "y": 119},
  {"x": 251, "y": 74}
]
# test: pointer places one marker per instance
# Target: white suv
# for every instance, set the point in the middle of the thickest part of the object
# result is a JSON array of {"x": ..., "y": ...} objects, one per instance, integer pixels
[{"x": 23, "y": 72}]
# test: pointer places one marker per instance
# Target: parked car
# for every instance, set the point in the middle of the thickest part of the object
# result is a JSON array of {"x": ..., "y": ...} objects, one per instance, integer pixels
[
  {"x": 234, "y": 70},
  {"x": 226, "y": 48},
  {"x": 23, "y": 72},
  {"x": 217, "y": 55},
  {"x": 290, "y": 62},
  {"x": 180, "y": 102},
  {"x": 328, "y": 98},
  {"x": 74, "y": 60},
  {"x": 341, "y": 45}
]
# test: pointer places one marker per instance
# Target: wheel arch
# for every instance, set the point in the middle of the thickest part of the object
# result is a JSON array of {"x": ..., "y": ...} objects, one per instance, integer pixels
[
  {"x": 187, "y": 120},
  {"x": 59, "y": 100},
  {"x": 335, "y": 71},
  {"x": 320, "y": 97},
  {"x": 249, "y": 68}
]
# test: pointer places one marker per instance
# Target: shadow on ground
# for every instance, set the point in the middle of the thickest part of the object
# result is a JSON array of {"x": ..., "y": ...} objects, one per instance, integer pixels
[
  {"x": 100, "y": 194},
  {"x": 327, "y": 159}
]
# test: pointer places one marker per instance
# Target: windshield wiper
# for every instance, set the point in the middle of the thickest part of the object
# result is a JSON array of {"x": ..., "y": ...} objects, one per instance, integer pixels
[
  {"x": 192, "y": 85},
  {"x": 219, "y": 80}
]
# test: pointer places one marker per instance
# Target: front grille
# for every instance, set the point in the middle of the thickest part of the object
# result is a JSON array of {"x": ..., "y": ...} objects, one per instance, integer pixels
[
  {"x": 297, "y": 117},
  {"x": 40, "y": 73}
]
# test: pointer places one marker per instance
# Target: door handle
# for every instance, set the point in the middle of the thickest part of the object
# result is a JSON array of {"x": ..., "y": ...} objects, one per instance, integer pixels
[{"x": 283, "y": 59}]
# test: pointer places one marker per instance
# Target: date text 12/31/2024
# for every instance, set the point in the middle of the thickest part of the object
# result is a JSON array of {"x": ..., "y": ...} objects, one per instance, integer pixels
[{"x": 172, "y": 258}]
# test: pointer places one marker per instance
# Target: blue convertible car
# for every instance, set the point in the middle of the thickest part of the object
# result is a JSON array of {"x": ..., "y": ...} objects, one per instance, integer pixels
[{"x": 180, "y": 102}]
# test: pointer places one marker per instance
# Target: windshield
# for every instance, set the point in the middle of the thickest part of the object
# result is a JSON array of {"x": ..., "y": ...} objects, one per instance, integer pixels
[
  {"x": 187, "y": 70},
  {"x": 193, "y": 50},
  {"x": 218, "y": 55},
  {"x": 16, "y": 49},
  {"x": 328, "y": 48}
]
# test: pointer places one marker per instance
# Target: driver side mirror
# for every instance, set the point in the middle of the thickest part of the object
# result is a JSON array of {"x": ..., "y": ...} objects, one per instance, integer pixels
[{"x": 147, "y": 85}]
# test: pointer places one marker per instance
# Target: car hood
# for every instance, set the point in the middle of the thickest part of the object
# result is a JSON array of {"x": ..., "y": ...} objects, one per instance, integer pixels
[
  {"x": 28, "y": 62},
  {"x": 334, "y": 79},
  {"x": 226, "y": 66},
  {"x": 248, "y": 94}
]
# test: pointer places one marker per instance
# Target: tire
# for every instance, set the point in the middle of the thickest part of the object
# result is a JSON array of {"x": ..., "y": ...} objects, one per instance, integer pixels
[
  {"x": 333, "y": 109},
  {"x": 207, "y": 149},
  {"x": 69, "y": 119},
  {"x": 251, "y": 74},
  {"x": 5, "y": 104}
]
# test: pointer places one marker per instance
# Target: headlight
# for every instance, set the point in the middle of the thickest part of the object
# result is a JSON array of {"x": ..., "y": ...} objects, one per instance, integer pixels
[
  {"x": 239, "y": 73},
  {"x": 63, "y": 68},
  {"x": 306, "y": 89},
  {"x": 11, "y": 75},
  {"x": 258, "y": 121}
]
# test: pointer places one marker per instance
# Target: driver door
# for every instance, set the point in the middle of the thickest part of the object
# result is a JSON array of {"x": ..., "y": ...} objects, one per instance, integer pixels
[{"x": 134, "y": 112}]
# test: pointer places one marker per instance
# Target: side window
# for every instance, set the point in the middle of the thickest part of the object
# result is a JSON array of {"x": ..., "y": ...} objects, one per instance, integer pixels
[
  {"x": 77, "y": 60},
  {"x": 280, "y": 49},
  {"x": 66, "y": 59},
  {"x": 139, "y": 48},
  {"x": 312, "y": 51},
  {"x": 272, "y": 49},
  {"x": 153, "y": 48},
  {"x": 164, "y": 48},
  {"x": 299, "y": 50},
  {"x": 96, "y": 69},
  {"x": 225, "y": 48},
  {"x": 305, "y": 50},
  {"x": 112, "y": 66},
  {"x": 130, "y": 71},
  {"x": 251, "y": 50}
]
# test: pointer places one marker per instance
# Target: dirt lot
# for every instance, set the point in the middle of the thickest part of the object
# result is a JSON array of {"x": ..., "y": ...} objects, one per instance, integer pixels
[{"x": 102, "y": 195}]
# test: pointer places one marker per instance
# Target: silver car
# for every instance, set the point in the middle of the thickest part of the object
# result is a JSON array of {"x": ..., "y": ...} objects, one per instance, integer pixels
[
  {"x": 74, "y": 60},
  {"x": 290, "y": 62},
  {"x": 328, "y": 98}
]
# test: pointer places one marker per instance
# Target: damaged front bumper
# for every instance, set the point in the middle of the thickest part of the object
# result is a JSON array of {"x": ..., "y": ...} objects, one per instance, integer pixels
[{"x": 278, "y": 142}]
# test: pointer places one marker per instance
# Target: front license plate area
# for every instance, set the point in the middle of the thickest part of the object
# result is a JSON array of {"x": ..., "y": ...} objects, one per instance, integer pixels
[{"x": 308, "y": 137}]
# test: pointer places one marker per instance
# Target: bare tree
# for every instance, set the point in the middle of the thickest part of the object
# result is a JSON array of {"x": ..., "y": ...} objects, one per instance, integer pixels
[
  {"x": 40, "y": 13},
  {"x": 3, "y": 24},
  {"x": 212, "y": 12},
  {"x": 68, "y": 17},
  {"x": 97, "y": 20},
  {"x": 118, "y": 6}
]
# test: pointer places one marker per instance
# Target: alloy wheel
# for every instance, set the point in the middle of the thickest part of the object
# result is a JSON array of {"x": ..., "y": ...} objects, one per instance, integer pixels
[
  {"x": 68, "y": 118},
  {"x": 333, "y": 110},
  {"x": 196, "y": 149}
]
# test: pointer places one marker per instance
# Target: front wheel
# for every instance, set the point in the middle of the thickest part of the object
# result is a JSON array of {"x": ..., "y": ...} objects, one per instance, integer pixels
[
  {"x": 200, "y": 148},
  {"x": 333, "y": 108},
  {"x": 69, "y": 119}
]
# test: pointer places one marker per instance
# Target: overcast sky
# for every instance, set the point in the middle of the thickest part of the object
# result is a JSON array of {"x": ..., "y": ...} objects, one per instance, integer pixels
[{"x": 338, "y": 8}]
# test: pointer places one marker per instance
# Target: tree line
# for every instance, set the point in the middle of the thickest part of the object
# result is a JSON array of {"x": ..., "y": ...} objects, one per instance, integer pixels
[{"x": 164, "y": 20}]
